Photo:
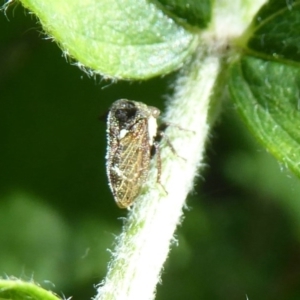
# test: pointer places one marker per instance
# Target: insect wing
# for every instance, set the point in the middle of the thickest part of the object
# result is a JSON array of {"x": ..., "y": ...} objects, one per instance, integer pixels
[{"x": 130, "y": 163}]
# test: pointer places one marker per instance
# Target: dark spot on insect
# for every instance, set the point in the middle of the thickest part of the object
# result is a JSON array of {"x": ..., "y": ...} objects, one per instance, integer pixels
[
  {"x": 159, "y": 136},
  {"x": 126, "y": 113},
  {"x": 152, "y": 151}
]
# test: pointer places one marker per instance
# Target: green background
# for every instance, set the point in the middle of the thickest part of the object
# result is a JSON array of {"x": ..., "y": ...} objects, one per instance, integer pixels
[{"x": 239, "y": 237}]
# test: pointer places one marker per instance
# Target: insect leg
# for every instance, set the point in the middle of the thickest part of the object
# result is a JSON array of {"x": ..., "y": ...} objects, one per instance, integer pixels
[
  {"x": 161, "y": 134},
  {"x": 156, "y": 150}
]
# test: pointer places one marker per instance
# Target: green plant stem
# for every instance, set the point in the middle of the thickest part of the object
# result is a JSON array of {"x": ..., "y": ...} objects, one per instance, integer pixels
[
  {"x": 148, "y": 232},
  {"x": 144, "y": 244}
]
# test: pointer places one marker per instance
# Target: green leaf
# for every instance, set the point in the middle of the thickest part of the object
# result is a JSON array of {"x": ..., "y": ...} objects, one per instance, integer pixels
[
  {"x": 193, "y": 12},
  {"x": 129, "y": 39},
  {"x": 267, "y": 94},
  {"x": 20, "y": 290},
  {"x": 274, "y": 33}
]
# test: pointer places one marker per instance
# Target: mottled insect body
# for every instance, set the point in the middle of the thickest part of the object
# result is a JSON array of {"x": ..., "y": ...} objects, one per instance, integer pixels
[{"x": 131, "y": 133}]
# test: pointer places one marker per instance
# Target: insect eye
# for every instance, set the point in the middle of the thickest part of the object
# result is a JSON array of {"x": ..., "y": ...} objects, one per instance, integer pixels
[{"x": 123, "y": 115}]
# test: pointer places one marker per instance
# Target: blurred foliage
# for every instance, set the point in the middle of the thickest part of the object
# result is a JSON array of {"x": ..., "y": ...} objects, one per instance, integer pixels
[{"x": 240, "y": 235}]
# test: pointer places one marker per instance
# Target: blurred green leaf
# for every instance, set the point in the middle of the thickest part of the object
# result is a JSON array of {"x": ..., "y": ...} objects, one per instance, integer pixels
[
  {"x": 274, "y": 32},
  {"x": 19, "y": 290},
  {"x": 267, "y": 95},
  {"x": 30, "y": 239},
  {"x": 193, "y": 12},
  {"x": 121, "y": 39}
]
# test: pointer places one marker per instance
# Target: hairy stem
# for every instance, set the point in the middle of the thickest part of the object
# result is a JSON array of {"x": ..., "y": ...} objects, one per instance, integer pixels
[
  {"x": 144, "y": 244},
  {"x": 148, "y": 232}
]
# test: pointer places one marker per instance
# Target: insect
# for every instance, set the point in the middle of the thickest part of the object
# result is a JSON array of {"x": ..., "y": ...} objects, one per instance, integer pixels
[{"x": 132, "y": 136}]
